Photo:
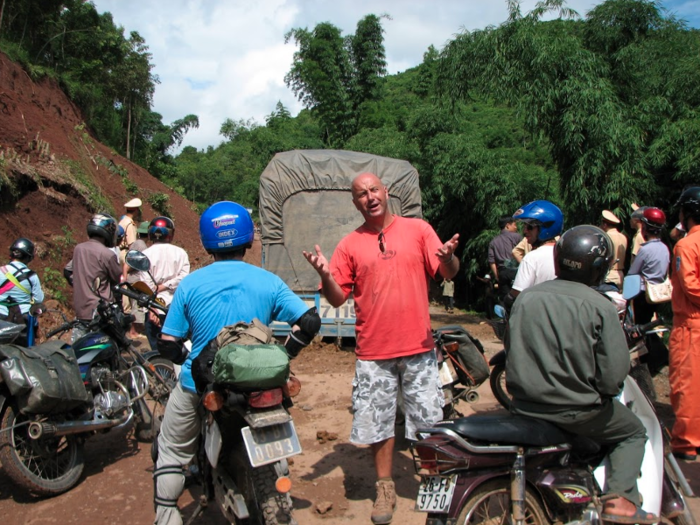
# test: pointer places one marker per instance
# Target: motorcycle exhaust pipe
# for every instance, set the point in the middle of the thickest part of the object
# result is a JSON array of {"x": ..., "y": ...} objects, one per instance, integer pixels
[{"x": 38, "y": 430}]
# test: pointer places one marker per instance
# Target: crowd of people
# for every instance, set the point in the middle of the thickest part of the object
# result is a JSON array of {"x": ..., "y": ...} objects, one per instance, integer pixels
[{"x": 567, "y": 354}]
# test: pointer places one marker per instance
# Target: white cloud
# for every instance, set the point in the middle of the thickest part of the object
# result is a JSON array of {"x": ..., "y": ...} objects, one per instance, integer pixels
[{"x": 224, "y": 59}]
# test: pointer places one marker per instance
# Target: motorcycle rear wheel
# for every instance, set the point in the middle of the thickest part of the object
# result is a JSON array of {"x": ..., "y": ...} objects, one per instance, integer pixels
[
  {"x": 265, "y": 505},
  {"x": 47, "y": 466},
  {"x": 157, "y": 398},
  {"x": 497, "y": 380},
  {"x": 490, "y": 503}
]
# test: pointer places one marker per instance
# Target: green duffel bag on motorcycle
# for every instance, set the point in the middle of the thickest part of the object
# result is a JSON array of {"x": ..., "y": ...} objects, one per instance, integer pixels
[
  {"x": 242, "y": 355},
  {"x": 44, "y": 379},
  {"x": 251, "y": 366}
]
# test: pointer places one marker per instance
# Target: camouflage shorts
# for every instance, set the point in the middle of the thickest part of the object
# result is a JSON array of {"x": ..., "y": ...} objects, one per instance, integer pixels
[{"x": 375, "y": 390}]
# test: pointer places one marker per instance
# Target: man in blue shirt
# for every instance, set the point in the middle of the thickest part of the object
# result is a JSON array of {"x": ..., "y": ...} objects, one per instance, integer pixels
[{"x": 221, "y": 294}]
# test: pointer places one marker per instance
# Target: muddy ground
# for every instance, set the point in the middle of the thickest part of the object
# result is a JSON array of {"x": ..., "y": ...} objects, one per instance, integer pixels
[{"x": 331, "y": 474}]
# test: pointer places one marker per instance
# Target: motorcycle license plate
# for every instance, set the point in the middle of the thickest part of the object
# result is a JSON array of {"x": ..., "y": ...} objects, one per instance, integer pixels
[
  {"x": 435, "y": 493},
  {"x": 270, "y": 444}
]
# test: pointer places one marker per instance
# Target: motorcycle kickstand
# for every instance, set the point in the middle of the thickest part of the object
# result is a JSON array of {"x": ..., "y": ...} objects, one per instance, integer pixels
[{"x": 201, "y": 507}]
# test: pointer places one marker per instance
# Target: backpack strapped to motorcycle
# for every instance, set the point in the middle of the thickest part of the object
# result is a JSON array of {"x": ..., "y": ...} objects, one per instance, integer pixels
[
  {"x": 43, "y": 379},
  {"x": 242, "y": 356},
  {"x": 469, "y": 361}
]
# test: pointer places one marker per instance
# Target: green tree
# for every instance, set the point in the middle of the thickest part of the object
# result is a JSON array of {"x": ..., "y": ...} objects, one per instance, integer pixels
[
  {"x": 368, "y": 59},
  {"x": 321, "y": 78},
  {"x": 605, "y": 92},
  {"x": 133, "y": 83},
  {"x": 335, "y": 76}
]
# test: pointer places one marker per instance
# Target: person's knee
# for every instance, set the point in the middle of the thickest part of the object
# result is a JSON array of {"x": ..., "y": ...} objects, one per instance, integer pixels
[{"x": 169, "y": 482}]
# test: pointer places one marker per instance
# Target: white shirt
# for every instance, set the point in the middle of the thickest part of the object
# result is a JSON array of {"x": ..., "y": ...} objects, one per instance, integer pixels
[
  {"x": 536, "y": 267},
  {"x": 169, "y": 265}
]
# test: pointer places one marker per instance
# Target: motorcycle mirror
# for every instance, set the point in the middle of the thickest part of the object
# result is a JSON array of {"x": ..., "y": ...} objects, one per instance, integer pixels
[
  {"x": 631, "y": 286},
  {"x": 96, "y": 286},
  {"x": 138, "y": 261},
  {"x": 499, "y": 311}
]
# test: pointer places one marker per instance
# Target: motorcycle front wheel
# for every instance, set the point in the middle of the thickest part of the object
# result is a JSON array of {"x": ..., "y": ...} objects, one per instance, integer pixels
[
  {"x": 497, "y": 380},
  {"x": 265, "y": 505},
  {"x": 157, "y": 397},
  {"x": 47, "y": 466},
  {"x": 490, "y": 503}
]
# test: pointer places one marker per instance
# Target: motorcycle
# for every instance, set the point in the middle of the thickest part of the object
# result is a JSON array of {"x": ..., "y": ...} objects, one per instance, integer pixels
[
  {"x": 507, "y": 468},
  {"x": 501, "y": 468},
  {"x": 42, "y": 450},
  {"x": 637, "y": 340},
  {"x": 247, "y": 436}
]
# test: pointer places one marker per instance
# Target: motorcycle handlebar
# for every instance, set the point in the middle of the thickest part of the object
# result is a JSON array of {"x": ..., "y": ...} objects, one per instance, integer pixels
[
  {"x": 63, "y": 328},
  {"x": 637, "y": 331},
  {"x": 141, "y": 298},
  {"x": 650, "y": 326}
]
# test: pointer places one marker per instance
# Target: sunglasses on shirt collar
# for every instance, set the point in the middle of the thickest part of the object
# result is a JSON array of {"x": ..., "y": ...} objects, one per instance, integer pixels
[{"x": 382, "y": 248}]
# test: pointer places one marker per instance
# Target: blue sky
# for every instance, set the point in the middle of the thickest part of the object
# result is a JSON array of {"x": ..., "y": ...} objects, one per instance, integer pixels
[{"x": 224, "y": 59}]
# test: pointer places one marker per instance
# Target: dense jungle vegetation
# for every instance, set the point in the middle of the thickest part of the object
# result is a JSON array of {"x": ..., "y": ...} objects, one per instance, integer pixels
[{"x": 591, "y": 112}]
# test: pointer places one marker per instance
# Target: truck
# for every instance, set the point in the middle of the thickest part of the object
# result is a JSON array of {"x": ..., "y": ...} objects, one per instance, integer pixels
[{"x": 305, "y": 199}]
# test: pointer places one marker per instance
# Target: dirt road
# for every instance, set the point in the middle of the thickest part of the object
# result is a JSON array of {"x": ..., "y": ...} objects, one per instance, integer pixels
[{"x": 332, "y": 474}]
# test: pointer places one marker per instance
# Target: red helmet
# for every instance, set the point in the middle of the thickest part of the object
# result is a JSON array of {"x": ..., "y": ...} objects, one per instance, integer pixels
[
  {"x": 654, "y": 218},
  {"x": 161, "y": 229}
]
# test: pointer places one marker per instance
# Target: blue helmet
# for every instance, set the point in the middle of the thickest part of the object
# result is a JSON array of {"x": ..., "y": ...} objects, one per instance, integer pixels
[
  {"x": 546, "y": 215},
  {"x": 120, "y": 234},
  {"x": 225, "y": 226}
]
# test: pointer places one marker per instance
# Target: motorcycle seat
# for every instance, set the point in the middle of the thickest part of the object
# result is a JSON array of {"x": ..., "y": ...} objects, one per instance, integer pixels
[{"x": 510, "y": 429}]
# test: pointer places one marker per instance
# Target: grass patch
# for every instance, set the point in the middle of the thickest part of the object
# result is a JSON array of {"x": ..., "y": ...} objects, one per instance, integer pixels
[
  {"x": 160, "y": 202},
  {"x": 52, "y": 281},
  {"x": 115, "y": 169},
  {"x": 96, "y": 200}
]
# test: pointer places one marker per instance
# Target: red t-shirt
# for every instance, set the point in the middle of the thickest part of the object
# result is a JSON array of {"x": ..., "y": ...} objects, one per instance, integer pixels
[{"x": 391, "y": 288}]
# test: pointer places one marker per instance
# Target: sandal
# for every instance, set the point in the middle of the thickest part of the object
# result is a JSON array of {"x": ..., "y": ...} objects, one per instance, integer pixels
[{"x": 640, "y": 517}]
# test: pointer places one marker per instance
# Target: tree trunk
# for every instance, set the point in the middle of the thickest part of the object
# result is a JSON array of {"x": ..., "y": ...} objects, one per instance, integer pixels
[
  {"x": 128, "y": 132},
  {"x": 133, "y": 146},
  {"x": 2, "y": 10}
]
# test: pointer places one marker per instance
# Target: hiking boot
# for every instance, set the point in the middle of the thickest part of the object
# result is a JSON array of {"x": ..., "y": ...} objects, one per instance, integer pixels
[{"x": 385, "y": 504}]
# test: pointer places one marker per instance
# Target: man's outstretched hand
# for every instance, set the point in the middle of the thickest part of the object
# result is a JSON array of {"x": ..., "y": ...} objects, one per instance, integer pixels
[{"x": 317, "y": 260}]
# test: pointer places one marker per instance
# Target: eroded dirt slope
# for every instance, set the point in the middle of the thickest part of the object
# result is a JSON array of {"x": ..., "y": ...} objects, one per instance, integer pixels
[{"x": 54, "y": 175}]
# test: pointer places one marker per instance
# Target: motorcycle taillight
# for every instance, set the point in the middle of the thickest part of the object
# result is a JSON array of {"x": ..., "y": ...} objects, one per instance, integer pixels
[
  {"x": 265, "y": 398},
  {"x": 426, "y": 459},
  {"x": 435, "y": 455}
]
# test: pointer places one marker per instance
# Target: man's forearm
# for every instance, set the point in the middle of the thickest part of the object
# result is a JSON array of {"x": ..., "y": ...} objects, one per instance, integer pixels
[
  {"x": 332, "y": 291},
  {"x": 450, "y": 268}
]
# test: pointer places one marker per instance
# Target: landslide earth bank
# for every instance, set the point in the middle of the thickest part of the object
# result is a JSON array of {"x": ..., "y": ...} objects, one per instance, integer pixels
[{"x": 54, "y": 174}]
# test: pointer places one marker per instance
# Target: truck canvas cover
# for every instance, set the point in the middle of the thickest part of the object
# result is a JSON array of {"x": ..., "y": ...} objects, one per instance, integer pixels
[{"x": 305, "y": 200}]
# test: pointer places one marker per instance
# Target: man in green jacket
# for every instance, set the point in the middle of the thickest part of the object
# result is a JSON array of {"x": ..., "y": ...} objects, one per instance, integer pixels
[{"x": 567, "y": 358}]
